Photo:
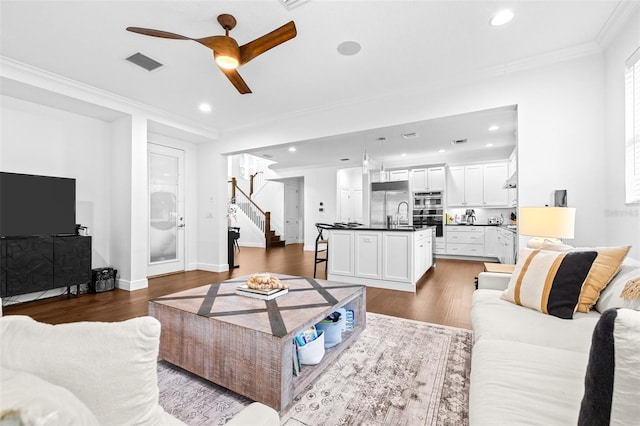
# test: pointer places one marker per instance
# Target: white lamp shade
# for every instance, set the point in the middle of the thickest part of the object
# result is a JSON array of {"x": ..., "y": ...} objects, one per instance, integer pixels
[{"x": 549, "y": 222}]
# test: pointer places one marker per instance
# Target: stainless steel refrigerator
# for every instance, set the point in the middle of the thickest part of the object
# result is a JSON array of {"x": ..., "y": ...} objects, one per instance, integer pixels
[{"x": 390, "y": 203}]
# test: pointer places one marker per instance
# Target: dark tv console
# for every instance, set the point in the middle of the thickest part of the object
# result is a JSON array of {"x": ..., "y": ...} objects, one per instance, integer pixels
[{"x": 39, "y": 263}]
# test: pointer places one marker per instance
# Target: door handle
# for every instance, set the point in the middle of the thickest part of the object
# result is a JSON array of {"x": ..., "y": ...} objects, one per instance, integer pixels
[{"x": 180, "y": 226}]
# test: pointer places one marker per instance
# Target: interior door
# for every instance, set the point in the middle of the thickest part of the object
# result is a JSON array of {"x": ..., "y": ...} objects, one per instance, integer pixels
[
  {"x": 166, "y": 210},
  {"x": 357, "y": 205},
  {"x": 291, "y": 214},
  {"x": 346, "y": 206}
]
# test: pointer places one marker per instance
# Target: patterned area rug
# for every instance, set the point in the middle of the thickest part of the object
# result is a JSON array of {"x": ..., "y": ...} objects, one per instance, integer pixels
[{"x": 398, "y": 372}]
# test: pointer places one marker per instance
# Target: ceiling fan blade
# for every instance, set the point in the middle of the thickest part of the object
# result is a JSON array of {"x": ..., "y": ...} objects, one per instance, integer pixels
[
  {"x": 236, "y": 80},
  {"x": 262, "y": 44},
  {"x": 157, "y": 33},
  {"x": 212, "y": 42}
]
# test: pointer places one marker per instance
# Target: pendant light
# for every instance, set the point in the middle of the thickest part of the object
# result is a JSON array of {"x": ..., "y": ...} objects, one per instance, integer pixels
[
  {"x": 382, "y": 174},
  {"x": 365, "y": 160}
]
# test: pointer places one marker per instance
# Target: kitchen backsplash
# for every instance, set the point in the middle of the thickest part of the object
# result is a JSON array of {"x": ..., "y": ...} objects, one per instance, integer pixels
[{"x": 482, "y": 214}]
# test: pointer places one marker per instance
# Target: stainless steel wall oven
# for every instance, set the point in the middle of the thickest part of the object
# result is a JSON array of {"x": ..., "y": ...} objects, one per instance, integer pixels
[{"x": 428, "y": 210}]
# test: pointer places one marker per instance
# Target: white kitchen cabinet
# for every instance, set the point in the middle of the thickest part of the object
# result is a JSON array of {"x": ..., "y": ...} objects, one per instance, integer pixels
[
  {"x": 418, "y": 180},
  {"x": 428, "y": 179},
  {"x": 341, "y": 253},
  {"x": 465, "y": 240},
  {"x": 506, "y": 243},
  {"x": 396, "y": 263},
  {"x": 368, "y": 254},
  {"x": 473, "y": 185},
  {"x": 422, "y": 252},
  {"x": 492, "y": 246},
  {"x": 477, "y": 185},
  {"x": 493, "y": 177},
  {"x": 388, "y": 259},
  {"x": 455, "y": 186},
  {"x": 395, "y": 175},
  {"x": 464, "y": 186},
  {"x": 436, "y": 176},
  {"x": 379, "y": 177}
]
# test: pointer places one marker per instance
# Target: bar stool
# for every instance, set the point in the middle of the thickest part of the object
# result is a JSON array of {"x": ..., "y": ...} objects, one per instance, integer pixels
[{"x": 322, "y": 248}]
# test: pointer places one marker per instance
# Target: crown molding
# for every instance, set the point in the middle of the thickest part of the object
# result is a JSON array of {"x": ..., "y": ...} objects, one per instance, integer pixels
[
  {"x": 617, "y": 19},
  {"x": 72, "y": 89}
]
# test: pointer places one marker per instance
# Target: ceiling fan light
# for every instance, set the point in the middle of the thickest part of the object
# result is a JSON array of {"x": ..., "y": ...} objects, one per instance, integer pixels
[{"x": 227, "y": 62}]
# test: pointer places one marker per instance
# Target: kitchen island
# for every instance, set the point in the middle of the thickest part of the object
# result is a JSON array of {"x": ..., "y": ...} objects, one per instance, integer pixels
[{"x": 392, "y": 258}]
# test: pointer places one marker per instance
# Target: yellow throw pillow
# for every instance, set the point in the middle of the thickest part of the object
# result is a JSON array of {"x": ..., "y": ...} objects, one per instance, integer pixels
[{"x": 604, "y": 268}]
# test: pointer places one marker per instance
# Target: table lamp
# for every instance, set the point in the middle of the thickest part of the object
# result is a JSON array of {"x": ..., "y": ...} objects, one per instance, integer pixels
[{"x": 547, "y": 224}]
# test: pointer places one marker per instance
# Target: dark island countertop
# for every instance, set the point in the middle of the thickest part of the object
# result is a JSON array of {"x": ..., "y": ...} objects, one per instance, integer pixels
[{"x": 360, "y": 227}]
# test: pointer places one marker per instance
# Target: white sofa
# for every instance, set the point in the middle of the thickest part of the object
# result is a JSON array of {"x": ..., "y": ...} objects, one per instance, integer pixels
[
  {"x": 528, "y": 368},
  {"x": 88, "y": 373}
]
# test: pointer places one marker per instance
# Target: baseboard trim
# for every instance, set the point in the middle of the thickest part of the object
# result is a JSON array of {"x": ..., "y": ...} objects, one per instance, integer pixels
[
  {"x": 132, "y": 285},
  {"x": 210, "y": 267}
]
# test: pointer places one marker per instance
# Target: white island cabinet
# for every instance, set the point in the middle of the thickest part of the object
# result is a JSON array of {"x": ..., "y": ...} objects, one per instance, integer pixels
[{"x": 392, "y": 259}]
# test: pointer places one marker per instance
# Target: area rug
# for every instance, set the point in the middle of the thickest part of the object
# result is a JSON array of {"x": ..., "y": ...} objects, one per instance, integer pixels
[{"x": 398, "y": 372}]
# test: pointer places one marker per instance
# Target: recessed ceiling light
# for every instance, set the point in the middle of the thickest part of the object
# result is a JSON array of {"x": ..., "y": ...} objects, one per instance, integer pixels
[
  {"x": 489, "y": 145},
  {"x": 493, "y": 128},
  {"x": 501, "y": 18},
  {"x": 442, "y": 150},
  {"x": 204, "y": 107},
  {"x": 349, "y": 48},
  {"x": 404, "y": 154},
  {"x": 292, "y": 149}
]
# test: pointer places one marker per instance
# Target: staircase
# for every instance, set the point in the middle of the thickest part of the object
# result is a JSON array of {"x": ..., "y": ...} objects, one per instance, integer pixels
[
  {"x": 273, "y": 239},
  {"x": 259, "y": 217}
]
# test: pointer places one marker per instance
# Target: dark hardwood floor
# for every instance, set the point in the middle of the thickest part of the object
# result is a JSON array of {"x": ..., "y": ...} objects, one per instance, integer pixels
[{"x": 443, "y": 295}]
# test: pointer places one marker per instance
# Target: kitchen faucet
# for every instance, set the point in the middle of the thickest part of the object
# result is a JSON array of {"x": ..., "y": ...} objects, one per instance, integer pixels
[{"x": 398, "y": 211}]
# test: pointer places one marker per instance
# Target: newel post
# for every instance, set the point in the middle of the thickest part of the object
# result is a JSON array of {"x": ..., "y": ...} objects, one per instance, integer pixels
[
  {"x": 234, "y": 182},
  {"x": 267, "y": 228}
]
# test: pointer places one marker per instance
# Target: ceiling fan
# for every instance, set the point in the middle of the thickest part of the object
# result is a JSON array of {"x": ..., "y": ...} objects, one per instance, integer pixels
[{"x": 226, "y": 52}]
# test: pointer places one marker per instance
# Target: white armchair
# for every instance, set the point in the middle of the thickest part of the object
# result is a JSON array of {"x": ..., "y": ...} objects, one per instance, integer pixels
[{"x": 88, "y": 373}]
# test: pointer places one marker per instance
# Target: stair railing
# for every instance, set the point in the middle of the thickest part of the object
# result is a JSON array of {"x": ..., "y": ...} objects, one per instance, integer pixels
[{"x": 259, "y": 217}]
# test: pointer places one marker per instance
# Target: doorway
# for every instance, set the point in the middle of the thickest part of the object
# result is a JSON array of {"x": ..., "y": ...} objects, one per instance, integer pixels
[
  {"x": 166, "y": 210},
  {"x": 292, "y": 227}
]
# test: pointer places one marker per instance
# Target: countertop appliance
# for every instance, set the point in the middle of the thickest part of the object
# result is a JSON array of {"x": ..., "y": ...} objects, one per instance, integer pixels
[
  {"x": 428, "y": 210},
  {"x": 389, "y": 204},
  {"x": 469, "y": 217}
]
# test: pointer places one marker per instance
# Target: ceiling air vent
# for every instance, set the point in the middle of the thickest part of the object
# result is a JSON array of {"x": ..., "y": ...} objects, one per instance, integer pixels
[
  {"x": 409, "y": 135},
  {"x": 458, "y": 141},
  {"x": 144, "y": 61},
  {"x": 290, "y": 4},
  {"x": 267, "y": 156}
]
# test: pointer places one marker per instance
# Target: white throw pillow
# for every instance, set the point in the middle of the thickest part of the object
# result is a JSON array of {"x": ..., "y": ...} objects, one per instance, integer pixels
[
  {"x": 111, "y": 367},
  {"x": 611, "y": 295},
  {"x": 38, "y": 402}
]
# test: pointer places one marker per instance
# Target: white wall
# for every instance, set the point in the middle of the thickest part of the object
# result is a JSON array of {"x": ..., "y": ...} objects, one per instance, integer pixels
[
  {"x": 211, "y": 210},
  {"x": 40, "y": 140},
  {"x": 622, "y": 221}
]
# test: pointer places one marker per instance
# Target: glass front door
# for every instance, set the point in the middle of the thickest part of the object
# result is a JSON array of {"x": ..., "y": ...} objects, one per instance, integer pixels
[{"x": 166, "y": 215}]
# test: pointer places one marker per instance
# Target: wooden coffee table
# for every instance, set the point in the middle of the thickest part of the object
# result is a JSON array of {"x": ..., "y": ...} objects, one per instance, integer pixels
[{"x": 245, "y": 344}]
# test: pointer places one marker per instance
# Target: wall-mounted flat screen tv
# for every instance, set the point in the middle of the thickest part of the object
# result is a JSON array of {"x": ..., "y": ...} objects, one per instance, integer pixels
[{"x": 36, "y": 205}]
